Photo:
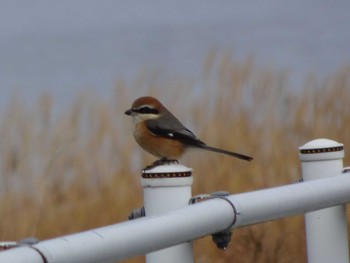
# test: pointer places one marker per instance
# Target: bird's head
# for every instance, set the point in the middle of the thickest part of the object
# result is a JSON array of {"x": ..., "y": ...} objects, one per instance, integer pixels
[{"x": 145, "y": 108}]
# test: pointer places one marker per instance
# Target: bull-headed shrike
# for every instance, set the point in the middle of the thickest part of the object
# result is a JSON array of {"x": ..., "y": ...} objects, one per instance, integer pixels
[{"x": 161, "y": 134}]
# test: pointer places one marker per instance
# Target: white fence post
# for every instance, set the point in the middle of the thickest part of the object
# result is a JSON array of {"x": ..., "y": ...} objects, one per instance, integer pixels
[
  {"x": 167, "y": 188},
  {"x": 326, "y": 229}
]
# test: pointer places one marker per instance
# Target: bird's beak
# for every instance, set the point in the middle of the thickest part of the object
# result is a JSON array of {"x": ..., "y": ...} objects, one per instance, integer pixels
[{"x": 128, "y": 112}]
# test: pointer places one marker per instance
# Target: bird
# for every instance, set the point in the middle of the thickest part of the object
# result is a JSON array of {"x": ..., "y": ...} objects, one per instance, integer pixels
[{"x": 162, "y": 135}]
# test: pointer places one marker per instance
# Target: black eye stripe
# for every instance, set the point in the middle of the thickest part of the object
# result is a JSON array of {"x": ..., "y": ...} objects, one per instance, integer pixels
[{"x": 146, "y": 110}]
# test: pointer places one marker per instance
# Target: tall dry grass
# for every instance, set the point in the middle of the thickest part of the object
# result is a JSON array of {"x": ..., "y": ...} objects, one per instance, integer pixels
[{"x": 79, "y": 169}]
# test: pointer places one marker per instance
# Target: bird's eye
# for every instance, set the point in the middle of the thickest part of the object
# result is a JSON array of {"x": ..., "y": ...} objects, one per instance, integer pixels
[{"x": 147, "y": 110}]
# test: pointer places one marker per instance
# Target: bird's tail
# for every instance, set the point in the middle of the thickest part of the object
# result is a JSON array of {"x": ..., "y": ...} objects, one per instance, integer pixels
[{"x": 237, "y": 155}]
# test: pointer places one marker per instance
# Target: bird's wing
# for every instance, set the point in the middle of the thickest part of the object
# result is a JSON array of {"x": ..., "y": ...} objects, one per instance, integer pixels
[
  {"x": 169, "y": 127},
  {"x": 172, "y": 128}
]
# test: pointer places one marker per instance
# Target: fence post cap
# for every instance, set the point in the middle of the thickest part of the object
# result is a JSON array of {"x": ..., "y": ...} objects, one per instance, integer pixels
[
  {"x": 167, "y": 175},
  {"x": 321, "y": 149},
  {"x": 167, "y": 168}
]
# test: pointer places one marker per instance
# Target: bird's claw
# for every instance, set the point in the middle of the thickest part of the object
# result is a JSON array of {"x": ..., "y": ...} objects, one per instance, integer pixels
[{"x": 160, "y": 162}]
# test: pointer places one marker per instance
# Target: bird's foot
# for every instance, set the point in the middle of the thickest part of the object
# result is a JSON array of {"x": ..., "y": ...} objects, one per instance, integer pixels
[{"x": 160, "y": 162}]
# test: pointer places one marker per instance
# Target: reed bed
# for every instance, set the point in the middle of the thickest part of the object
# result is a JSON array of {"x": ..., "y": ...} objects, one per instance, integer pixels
[{"x": 79, "y": 168}]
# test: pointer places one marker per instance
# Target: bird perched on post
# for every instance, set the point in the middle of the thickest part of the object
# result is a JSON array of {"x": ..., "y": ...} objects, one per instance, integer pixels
[{"x": 161, "y": 134}]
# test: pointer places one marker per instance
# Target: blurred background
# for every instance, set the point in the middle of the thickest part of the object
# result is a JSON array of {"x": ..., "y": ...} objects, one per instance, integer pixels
[{"x": 261, "y": 78}]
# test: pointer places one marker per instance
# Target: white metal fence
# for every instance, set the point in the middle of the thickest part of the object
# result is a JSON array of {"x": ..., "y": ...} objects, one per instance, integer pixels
[{"x": 170, "y": 224}]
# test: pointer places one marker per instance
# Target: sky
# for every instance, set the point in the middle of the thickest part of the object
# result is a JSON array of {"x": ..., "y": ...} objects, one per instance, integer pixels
[{"x": 63, "y": 47}]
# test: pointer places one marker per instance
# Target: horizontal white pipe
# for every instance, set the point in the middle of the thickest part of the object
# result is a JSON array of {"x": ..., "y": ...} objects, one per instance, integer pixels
[
  {"x": 152, "y": 233},
  {"x": 21, "y": 255},
  {"x": 299, "y": 198}
]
